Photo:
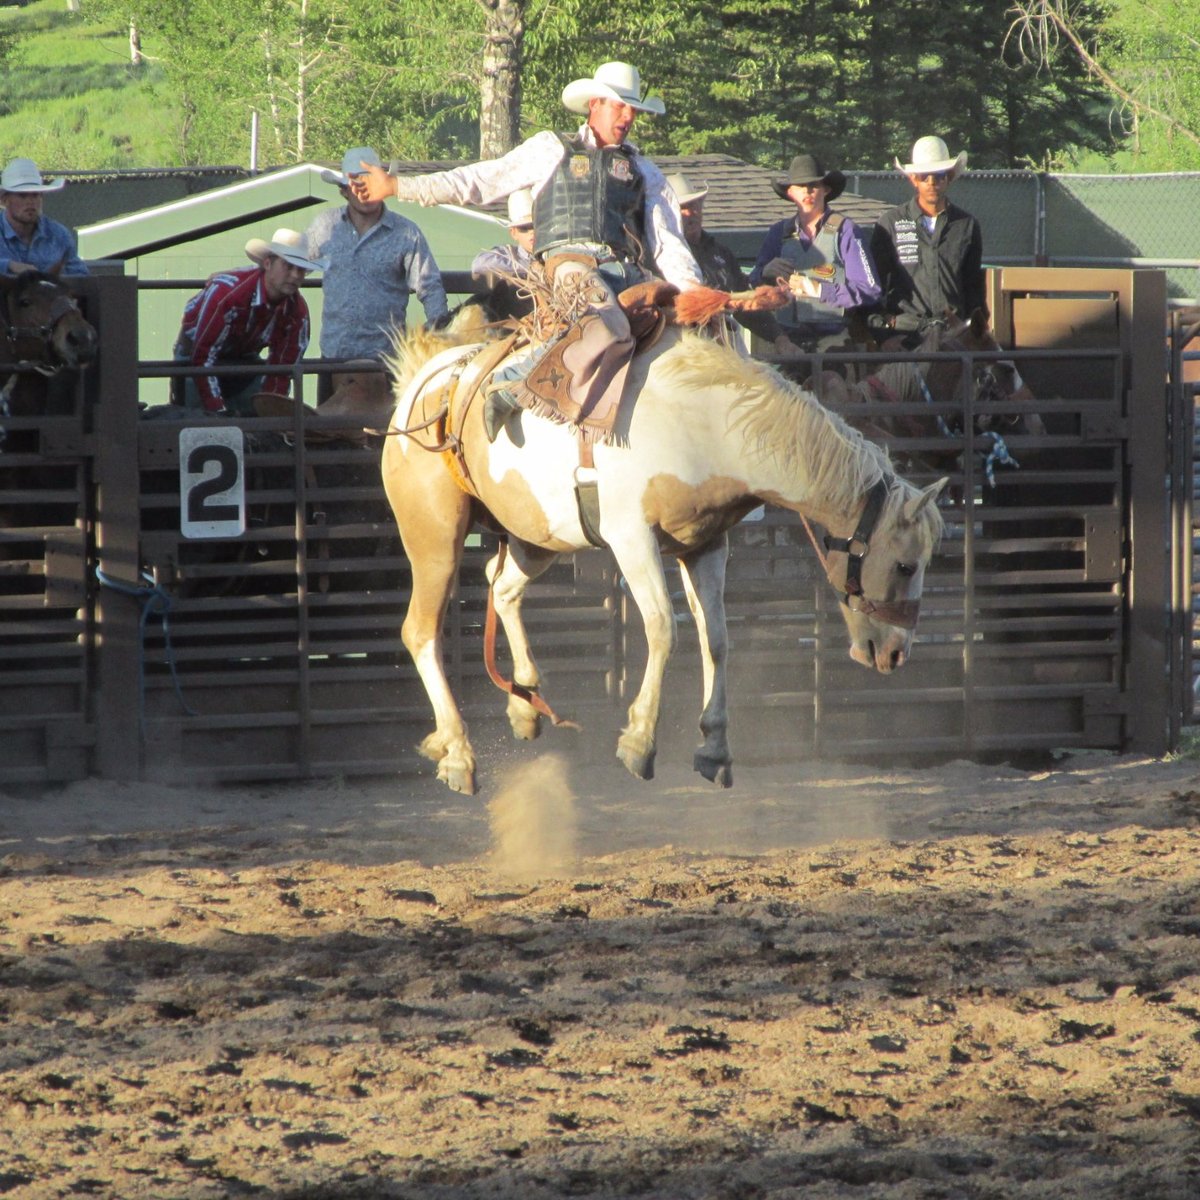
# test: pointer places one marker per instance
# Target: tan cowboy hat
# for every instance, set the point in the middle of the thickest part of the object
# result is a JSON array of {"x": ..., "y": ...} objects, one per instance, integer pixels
[
  {"x": 22, "y": 175},
  {"x": 684, "y": 192},
  {"x": 288, "y": 245},
  {"x": 612, "y": 81},
  {"x": 806, "y": 169},
  {"x": 930, "y": 154},
  {"x": 520, "y": 208},
  {"x": 352, "y": 164}
]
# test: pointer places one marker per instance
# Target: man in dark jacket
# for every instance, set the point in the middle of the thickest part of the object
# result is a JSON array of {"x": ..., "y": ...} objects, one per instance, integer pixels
[{"x": 929, "y": 252}]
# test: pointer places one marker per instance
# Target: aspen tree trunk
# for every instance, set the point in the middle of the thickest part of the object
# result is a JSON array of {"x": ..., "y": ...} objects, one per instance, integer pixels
[{"x": 500, "y": 91}]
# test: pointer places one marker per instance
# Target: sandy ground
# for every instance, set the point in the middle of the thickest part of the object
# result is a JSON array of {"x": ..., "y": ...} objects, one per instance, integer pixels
[{"x": 958, "y": 981}]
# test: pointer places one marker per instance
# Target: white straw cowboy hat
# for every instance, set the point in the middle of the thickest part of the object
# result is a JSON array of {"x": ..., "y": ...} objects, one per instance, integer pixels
[
  {"x": 520, "y": 208},
  {"x": 612, "y": 81},
  {"x": 352, "y": 164},
  {"x": 930, "y": 154},
  {"x": 22, "y": 175},
  {"x": 288, "y": 245},
  {"x": 684, "y": 192}
]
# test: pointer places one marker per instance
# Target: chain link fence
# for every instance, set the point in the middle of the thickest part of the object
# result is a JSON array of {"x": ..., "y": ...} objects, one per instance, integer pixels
[{"x": 1031, "y": 218}]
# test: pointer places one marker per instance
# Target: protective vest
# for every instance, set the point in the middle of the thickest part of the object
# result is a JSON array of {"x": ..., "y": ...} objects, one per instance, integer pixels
[
  {"x": 596, "y": 195},
  {"x": 823, "y": 251}
]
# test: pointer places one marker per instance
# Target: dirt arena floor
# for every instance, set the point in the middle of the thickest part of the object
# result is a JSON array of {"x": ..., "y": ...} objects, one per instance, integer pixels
[{"x": 963, "y": 981}]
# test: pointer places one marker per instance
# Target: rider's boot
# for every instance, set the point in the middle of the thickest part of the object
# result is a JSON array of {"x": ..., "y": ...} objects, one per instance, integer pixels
[{"x": 497, "y": 406}]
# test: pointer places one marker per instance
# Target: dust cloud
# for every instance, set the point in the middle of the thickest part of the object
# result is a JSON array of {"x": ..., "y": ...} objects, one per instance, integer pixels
[{"x": 533, "y": 822}]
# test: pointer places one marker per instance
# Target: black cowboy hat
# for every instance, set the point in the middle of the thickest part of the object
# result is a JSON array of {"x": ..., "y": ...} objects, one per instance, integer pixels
[{"x": 807, "y": 169}]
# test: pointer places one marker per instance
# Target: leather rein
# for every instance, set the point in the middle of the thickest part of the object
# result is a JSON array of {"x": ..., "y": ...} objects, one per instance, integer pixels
[{"x": 901, "y": 613}]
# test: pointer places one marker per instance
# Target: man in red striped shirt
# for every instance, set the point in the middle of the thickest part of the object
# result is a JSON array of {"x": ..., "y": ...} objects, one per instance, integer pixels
[{"x": 240, "y": 313}]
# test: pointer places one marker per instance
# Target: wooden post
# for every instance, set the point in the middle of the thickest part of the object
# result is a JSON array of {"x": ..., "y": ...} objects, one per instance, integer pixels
[{"x": 118, "y": 614}]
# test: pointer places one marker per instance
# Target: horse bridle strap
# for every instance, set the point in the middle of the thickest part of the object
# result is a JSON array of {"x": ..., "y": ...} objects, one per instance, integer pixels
[
  {"x": 61, "y": 306},
  {"x": 861, "y": 537},
  {"x": 902, "y": 613}
]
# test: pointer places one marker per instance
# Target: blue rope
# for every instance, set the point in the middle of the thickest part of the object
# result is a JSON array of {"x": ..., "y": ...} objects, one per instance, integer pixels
[
  {"x": 998, "y": 456},
  {"x": 156, "y": 602}
]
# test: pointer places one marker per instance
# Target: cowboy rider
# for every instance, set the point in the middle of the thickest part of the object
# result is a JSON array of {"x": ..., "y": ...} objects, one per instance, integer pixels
[{"x": 597, "y": 200}]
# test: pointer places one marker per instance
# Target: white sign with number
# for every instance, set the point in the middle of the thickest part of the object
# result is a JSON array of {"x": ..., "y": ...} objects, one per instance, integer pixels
[{"x": 212, "y": 482}]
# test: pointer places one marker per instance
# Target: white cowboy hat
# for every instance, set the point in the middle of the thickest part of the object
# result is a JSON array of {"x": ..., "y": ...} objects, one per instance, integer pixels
[
  {"x": 352, "y": 164},
  {"x": 22, "y": 175},
  {"x": 288, "y": 245},
  {"x": 612, "y": 81},
  {"x": 930, "y": 154},
  {"x": 684, "y": 192},
  {"x": 520, "y": 207}
]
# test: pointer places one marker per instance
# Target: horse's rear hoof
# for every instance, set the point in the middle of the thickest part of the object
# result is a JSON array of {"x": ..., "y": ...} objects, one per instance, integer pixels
[
  {"x": 714, "y": 770},
  {"x": 525, "y": 723},
  {"x": 639, "y": 763}
]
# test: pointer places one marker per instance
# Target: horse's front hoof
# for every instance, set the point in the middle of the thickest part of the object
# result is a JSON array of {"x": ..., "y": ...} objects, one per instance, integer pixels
[
  {"x": 718, "y": 771},
  {"x": 459, "y": 779},
  {"x": 639, "y": 762}
]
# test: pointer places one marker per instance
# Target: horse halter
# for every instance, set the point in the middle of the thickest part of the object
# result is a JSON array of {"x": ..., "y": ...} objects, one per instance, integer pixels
[{"x": 902, "y": 613}]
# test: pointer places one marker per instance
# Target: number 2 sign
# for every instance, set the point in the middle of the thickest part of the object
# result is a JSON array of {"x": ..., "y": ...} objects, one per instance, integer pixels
[{"x": 212, "y": 484}]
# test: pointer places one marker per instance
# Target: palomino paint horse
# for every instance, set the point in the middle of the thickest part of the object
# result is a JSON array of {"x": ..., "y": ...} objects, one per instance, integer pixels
[
  {"x": 1000, "y": 397},
  {"x": 704, "y": 437}
]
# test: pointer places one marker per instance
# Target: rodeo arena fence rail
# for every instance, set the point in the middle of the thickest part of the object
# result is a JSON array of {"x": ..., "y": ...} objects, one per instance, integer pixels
[{"x": 184, "y": 599}]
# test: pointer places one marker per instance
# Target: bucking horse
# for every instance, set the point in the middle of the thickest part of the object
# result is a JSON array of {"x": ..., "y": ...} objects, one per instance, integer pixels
[{"x": 703, "y": 437}]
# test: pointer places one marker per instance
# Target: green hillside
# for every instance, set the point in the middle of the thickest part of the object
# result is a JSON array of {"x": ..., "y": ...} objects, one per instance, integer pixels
[{"x": 71, "y": 99}]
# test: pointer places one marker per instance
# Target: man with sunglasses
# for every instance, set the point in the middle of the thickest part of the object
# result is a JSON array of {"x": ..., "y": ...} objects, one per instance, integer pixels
[
  {"x": 503, "y": 268},
  {"x": 929, "y": 252}
]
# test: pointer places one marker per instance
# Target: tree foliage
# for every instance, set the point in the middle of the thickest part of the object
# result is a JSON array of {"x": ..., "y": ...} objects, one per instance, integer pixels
[
  {"x": 1146, "y": 57},
  {"x": 855, "y": 81}
]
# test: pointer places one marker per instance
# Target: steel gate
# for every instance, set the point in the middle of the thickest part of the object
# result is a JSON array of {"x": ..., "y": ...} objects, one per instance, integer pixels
[{"x": 1053, "y": 616}]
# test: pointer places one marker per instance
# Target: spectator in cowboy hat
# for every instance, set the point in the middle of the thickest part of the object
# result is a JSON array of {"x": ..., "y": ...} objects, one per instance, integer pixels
[
  {"x": 238, "y": 314},
  {"x": 502, "y": 267},
  {"x": 376, "y": 260},
  {"x": 819, "y": 255},
  {"x": 929, "y": 251},
  {"x": 594, "y": 195},
  {"x": 719, "y": 265},
  {"x": 30, "y": 241}
]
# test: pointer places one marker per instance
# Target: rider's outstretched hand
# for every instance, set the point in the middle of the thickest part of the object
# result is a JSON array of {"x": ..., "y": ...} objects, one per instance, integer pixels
[{"x": 373, "y": 184}]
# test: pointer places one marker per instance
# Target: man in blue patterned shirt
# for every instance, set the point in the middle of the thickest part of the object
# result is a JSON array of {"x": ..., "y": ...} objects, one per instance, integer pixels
[
  {"x": 376, "y": 258},
  {"x": 30, "y": 241}
]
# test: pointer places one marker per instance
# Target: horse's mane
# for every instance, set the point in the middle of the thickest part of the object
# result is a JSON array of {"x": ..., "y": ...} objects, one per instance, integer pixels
[
  {"x": 781, "y": 420},
  {"x": 413, "y": 348}
]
